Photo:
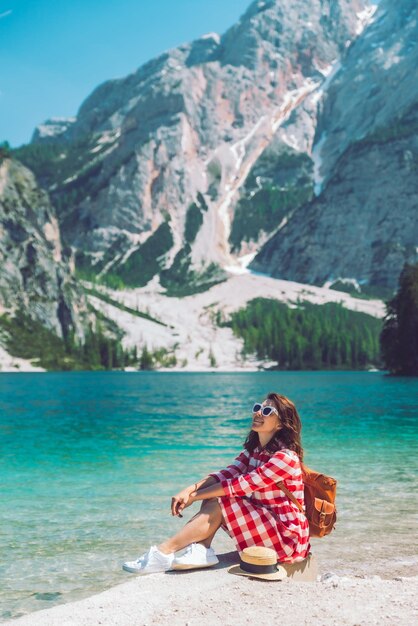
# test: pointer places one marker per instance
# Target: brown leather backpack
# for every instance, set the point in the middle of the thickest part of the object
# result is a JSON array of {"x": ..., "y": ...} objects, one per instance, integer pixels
[{"x": 319, "y": 493}]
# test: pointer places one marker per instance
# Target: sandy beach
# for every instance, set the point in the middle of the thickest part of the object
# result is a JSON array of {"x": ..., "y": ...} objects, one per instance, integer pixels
[{"x": 214, "y": 596}]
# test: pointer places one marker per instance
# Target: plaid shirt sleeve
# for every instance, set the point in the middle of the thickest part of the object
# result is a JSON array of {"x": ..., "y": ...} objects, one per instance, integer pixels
[
  {"x": 280, "y": 467},
  {"x": 239, "y": 466}
]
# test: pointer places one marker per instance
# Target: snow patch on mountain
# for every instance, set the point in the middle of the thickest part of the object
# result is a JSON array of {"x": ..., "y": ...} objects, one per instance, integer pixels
[
  {"x": 365, "y": 18},
  {"x": 242, "y": 264},
  {"x": 214, "y": 36},
  {"x": 317, "y": 161},
  {"x": 53, "y": 127},
  {"x": 352, "y": 282}
]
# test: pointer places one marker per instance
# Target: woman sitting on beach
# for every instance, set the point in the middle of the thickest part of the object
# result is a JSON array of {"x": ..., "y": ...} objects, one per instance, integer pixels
[{"x": 244, "y": 498}]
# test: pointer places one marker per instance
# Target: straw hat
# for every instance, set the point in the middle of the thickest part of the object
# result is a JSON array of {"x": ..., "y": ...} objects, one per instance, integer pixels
[{"x": 259, "y": 562}]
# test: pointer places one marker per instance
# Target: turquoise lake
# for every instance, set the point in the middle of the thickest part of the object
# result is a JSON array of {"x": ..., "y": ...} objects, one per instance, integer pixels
[{"x": 89, "y": 462}]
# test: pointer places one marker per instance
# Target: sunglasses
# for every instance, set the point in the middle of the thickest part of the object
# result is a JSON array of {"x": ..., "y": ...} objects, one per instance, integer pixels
[{"x": 265, "y": 410}]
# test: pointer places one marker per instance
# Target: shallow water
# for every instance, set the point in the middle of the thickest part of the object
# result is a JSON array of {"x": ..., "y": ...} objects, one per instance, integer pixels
[{"x": 89, "y": 462}]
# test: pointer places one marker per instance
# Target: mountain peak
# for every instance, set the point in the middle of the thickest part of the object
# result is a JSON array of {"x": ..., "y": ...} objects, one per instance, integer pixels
[{"x": 276, "y": 29}]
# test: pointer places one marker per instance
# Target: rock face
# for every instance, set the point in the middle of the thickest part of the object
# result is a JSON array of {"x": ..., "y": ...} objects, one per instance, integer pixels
[
  {"x": 355, "y": 229},
  {"x": 363, "y": 224},
  {"x": 376, "y": 84},
  {"x": 52, "y": 129},
  {"x": 292, "y": 137},
  {"x": 185, "y": 130},
  {"x": 34, "y": 276}
]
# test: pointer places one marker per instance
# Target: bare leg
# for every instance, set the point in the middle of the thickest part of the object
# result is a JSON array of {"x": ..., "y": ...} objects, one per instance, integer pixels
[{"x": 200, "y": 529}]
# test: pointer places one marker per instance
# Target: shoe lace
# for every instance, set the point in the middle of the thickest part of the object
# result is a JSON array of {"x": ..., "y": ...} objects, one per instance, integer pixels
[
  {"x": 141, "y": 559},
  {"x": 144, "y": 558},
  {"x": 190, "y": 549}
]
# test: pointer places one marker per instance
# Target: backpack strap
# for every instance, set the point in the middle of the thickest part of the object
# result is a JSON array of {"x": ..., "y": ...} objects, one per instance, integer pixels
[{"x": 291, "y": 496}]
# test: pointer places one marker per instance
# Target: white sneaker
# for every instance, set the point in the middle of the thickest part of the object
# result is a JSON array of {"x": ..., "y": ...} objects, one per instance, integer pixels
[
  {"x": 151, "y": 562},
  {"x": 195, "y": 556}
]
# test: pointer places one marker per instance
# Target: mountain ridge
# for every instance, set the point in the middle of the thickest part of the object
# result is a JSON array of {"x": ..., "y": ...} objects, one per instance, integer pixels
[{"x": 217, "y": 99}]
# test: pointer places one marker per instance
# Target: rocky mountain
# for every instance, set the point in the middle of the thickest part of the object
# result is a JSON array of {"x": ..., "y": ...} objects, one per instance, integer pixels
[
  {"x": 35, "y": 276},
  {"x": 179, "y": 169},
  {"x": 361, "y": 224},
  {"x": 288, "y": 144}
]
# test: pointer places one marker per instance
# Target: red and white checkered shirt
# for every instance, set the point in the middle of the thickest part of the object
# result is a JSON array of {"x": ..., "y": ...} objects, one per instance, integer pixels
[{"x": 256, "y": 512}]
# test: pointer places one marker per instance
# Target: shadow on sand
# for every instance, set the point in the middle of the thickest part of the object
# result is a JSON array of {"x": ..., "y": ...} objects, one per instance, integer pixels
[{"x": 225, "y": 560}]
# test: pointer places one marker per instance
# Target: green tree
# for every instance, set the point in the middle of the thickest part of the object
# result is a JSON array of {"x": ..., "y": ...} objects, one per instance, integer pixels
[
  {"x": 212, "y": 359},
  {"x": 399, "y": 337},
  {"x": 146, "y": 362},
  {"x": 5, "y": 151}
]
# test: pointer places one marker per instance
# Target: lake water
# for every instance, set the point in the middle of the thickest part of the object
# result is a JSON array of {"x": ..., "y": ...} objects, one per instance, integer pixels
[{"x": 89, "y": 462}]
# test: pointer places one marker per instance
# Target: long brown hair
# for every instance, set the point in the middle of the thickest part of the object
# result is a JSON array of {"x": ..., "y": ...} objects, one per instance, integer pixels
[{"x": 289, "y": 434}]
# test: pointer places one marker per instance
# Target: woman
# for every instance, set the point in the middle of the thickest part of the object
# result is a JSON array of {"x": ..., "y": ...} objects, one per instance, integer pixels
[{"x": 244, "y": 498}]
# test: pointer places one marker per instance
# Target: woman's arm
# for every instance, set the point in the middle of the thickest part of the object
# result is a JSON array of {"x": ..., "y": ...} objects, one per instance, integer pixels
[
  {"x": 211, "y": 491},
  {"x": 182, "y": 499},
  {"x": 206, "y": 491}
]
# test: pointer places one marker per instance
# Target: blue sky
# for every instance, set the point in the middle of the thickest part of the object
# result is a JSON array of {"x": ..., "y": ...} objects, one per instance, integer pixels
[{"x": 53, "y": 53}]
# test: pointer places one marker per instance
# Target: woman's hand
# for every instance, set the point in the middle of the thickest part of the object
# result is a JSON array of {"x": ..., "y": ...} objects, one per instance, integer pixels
[{"x": 181, "y": 501}]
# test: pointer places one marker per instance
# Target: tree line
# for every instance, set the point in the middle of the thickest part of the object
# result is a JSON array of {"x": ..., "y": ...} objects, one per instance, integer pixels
[
  {"x": 309, "y": 336},
  {"x": 399, "y": 337}
]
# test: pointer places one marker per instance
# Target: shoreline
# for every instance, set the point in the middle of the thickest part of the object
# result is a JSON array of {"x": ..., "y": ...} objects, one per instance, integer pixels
[
  {"x": 213, "y": 370},
  {"x": 213, "y": 596}
]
